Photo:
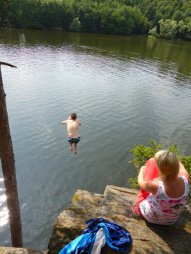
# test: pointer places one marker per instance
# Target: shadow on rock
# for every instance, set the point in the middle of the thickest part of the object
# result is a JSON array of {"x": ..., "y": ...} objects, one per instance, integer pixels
[{"x": 177, "y": 236}]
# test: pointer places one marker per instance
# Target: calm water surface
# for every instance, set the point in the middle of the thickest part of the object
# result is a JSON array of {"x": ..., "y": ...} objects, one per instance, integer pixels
[{"x": 125, "y": 90}]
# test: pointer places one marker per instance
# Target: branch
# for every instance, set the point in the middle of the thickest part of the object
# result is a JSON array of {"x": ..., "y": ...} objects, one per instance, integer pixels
[{"x": 3, "y": 63}]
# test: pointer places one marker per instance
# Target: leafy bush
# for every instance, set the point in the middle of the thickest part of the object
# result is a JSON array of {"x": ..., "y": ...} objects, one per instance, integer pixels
[
  {"x": 168, "y": 29},
  {"x": 153, "y": 31},
  {"x": 142, "y": 153},
  {"x": 75, "y": 26}
]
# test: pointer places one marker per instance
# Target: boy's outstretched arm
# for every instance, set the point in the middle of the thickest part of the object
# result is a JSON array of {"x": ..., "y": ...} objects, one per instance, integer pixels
[{"x": 64, "y": 122}]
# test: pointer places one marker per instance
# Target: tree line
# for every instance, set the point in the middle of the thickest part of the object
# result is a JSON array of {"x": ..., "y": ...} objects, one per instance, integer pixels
[{"x": 169, "y": 19}]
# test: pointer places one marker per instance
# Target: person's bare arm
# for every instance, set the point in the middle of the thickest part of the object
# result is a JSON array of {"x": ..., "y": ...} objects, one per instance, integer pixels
[
  {"x": 183, "y": 171},
  {"x": 65, "y": 121},
  {"x": 150, "y": 186}
]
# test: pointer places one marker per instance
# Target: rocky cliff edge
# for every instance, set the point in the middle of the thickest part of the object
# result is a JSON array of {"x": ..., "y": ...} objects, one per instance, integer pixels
[{"x": 115, "y": 205}]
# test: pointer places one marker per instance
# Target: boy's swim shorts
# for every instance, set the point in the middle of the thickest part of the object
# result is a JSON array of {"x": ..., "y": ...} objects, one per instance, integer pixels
[{"x": 73, "y": 140}]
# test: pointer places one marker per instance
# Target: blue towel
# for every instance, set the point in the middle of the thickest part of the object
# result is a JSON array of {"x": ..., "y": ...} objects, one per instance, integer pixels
[{"x": 117, "y": 238}]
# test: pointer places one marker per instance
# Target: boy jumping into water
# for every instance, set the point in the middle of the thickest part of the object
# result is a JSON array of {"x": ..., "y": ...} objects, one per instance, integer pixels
[{"x": 72, "y": 127}]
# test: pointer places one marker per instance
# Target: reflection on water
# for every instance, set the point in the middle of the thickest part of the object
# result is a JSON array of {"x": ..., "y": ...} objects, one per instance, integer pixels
[
  {"x": 4, "y": 216},
  {"x": 125, "y": 90},
  {"x": 176, "y": 53}
]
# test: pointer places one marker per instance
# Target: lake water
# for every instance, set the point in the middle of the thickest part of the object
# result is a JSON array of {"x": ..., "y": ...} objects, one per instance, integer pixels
[{"x": 125, "y": 90}]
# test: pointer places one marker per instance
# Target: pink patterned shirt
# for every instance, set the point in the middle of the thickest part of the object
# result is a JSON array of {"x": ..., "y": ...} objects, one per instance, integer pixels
[{"x": 161, "y": 209}]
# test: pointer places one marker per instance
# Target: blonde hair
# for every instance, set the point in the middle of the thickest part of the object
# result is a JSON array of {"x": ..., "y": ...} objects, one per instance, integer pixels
[{"x": 167, "y": 163}]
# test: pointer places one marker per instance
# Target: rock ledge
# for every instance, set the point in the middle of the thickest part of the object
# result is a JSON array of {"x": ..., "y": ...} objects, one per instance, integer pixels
[{"x": 115, "y": 205}]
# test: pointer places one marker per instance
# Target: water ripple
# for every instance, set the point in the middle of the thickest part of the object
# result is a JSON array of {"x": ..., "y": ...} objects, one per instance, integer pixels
[{"x": 121, "y": 100}]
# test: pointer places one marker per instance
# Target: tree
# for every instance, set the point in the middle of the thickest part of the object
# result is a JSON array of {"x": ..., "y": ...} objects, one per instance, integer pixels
[
  {"x": 4, "y": 8},
  {"x": 153, "y": 32},
  {"x": 8, "y": 167},
  {"x": 89, "y": 15},
  {"x": 168, "y": 29},
  {"x": 188, "y": 28},
  {"x": 182, "y": 29},
  {"x": 75, "y": 25}
]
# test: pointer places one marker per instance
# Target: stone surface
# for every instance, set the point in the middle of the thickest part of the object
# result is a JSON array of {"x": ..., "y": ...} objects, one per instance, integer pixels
[
  {"x": 115, "y": 205},
  {"x": 10, "y": 250}
]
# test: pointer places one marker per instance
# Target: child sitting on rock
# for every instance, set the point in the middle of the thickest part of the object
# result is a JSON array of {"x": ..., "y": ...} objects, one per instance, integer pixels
[{"x": 164, "y": 184}]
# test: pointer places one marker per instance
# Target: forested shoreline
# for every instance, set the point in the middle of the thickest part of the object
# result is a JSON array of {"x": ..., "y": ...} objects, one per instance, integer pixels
[{"x": 168, "y": 19}]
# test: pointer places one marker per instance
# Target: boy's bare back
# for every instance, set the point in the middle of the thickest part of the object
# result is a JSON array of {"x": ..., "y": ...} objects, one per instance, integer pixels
[{"x": 72, "y": 127}]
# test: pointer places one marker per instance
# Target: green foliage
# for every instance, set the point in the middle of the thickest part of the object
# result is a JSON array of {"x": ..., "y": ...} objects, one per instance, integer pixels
[
  {"x": 188, "y": 28},
  {"x": 168, "y": 29},
  {"x": 40, "y": 14},
  {"x": 75, "y": 26},
  {"x": 89, "y": 15},
  {"x": 142, "y": 153},
  {"x": 4, "y": 8},
  {"x": 153, "y": 32},
  {"x": 186, "y": 161},
  {"x": 182, "y": 29},
  {"x": 133, "y": 182},
  {"x": 169, "y": 19},
  {"x": 118, "y": 20}
]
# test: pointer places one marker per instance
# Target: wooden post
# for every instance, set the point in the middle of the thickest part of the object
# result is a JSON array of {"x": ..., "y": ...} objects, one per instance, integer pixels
[{"x": 9, "y": 170}]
